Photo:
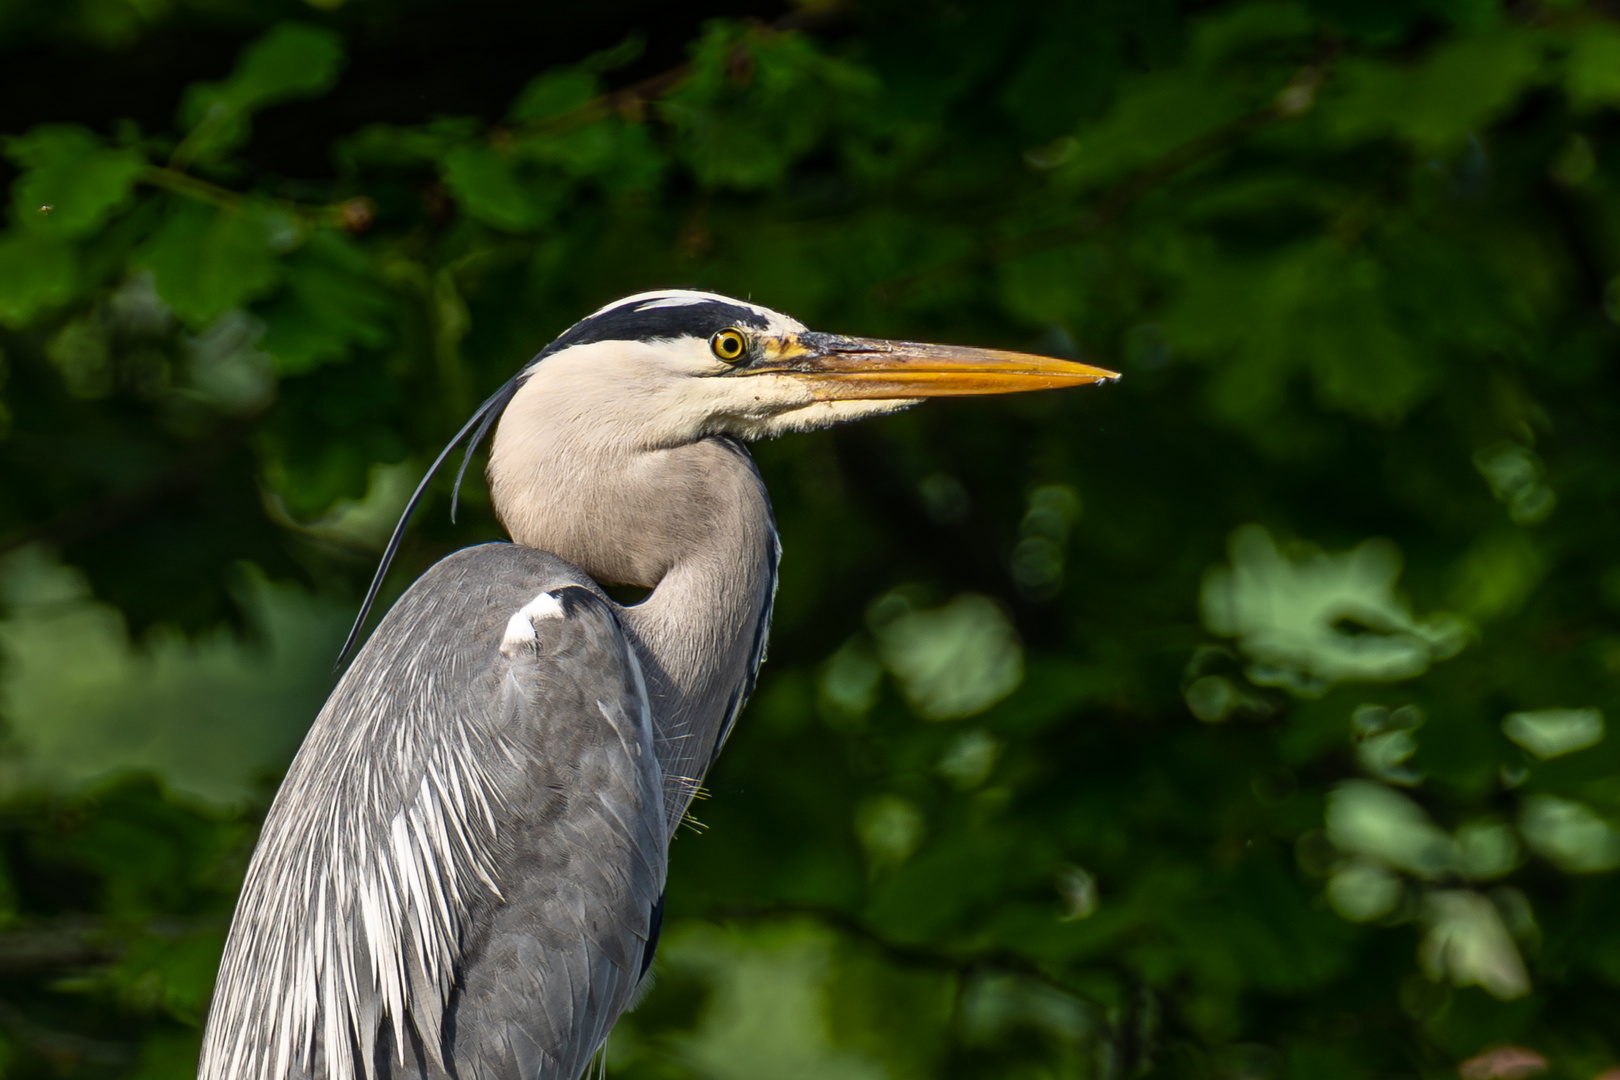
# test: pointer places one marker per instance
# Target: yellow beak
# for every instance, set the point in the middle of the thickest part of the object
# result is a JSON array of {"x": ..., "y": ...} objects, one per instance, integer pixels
[{"x": 845, "y": 368}]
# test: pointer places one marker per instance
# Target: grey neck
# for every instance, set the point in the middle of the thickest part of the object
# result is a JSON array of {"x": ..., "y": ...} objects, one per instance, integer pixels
[
  {"x": 701, "y": 631},
  {"x": 693, "y": 522}
]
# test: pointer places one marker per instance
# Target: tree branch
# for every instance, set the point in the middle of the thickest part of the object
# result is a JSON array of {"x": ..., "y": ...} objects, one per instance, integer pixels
[
  {"x": 906, "y": 955},
  {"x": 63, "y": 1049}
]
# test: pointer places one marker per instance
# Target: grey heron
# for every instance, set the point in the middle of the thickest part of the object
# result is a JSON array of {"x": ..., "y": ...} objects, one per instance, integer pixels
[{"x": 463, "y": 872}]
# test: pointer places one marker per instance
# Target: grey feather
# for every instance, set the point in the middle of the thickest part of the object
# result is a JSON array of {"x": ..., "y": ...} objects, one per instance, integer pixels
[{"x": 419, "y": 893}]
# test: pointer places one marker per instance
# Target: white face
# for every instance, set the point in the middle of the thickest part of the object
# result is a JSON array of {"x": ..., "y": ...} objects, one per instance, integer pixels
[
  {"x": 668, "y": 392},
  {"x": 660, "y": 394}
]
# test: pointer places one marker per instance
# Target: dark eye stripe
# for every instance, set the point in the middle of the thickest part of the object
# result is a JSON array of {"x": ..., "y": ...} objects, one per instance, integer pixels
[{"x": 699, "y": 320}]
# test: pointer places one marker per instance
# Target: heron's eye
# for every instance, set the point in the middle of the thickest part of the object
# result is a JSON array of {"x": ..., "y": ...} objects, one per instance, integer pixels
[{"x": 729, "y": 345}]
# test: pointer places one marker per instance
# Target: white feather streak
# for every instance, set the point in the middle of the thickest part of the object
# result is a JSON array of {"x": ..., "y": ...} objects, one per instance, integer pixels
[{"x": 520, "y": 627}]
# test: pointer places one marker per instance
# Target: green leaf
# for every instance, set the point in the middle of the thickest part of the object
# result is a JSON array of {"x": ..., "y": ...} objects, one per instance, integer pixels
[
  {"x": 609, "y": 152},
  {"x": 490, "y": 188},
  {"x": 1153, "y": 115},
  {"x": 1457, "y": 91},
  {"x": 1592, "y": 77},
  {"x": 176, "y": 974},
  {"x": 292, "y": 61},
  {"x": 552, "y": 93},
  {"x": 1387, "y": 20},
  {"x": 1239, "y": 28},
  {"x": 1550, "y": 733},
  {"x": 206, "y": 261},
  {"x": 331, "y": 303},
  {"x": 72, "y": 180},
  {"x": 388, "y": 144},
  {"x": 1049, "y": 286},
  {"x": 37, "y": 272},
  {"x": 755, "y": 103},
  {"x": 1319, "y": 309},
  {"x": 1497, "y": 575},
  {"x": 169, "y": 1055},
  {"x": 614, "y": 57}
]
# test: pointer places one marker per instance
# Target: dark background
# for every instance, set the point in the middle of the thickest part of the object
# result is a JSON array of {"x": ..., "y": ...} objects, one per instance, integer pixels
[{"x": 1242, "y": 719}]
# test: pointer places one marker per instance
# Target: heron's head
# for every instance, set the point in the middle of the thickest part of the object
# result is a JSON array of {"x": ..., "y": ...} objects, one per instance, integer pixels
[
  {"x": 663, "y": 369},
  {"x": 584, "y": 429}
]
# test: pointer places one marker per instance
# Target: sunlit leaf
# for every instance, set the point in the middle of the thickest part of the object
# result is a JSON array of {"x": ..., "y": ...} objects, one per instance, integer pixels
[
  {"x": 952, "y": 661},
  {"x": 1372, "y": 820},
  {"x": 1315, "y": 619},
  {"x": 1468, "y": 942},
  {"x": 1549, "y": 733},
  {"x": 768, "y": 1012},
  {"x": 206, "y": 716},
  {"x": 1363, "y": 889},
  {"x": 1570, "y": 834},
  {"x": 1487, "y": 849}
]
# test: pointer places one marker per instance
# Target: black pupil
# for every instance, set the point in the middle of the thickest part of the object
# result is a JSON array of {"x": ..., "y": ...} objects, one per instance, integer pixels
[{"x": 729, "y": 345}]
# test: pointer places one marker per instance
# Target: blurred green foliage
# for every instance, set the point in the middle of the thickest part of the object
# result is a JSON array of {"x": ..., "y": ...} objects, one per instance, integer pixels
[{"x": 1244, "y": 719}]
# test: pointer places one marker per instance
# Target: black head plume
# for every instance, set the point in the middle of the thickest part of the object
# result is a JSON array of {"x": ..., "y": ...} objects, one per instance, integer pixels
[{"x": 479, "y": 425}]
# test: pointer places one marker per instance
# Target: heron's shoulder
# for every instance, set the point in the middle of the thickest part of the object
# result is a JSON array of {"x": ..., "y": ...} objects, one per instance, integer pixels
[
  {"x": 492, "y": 577},
  {"x": 465, "y": 606},
  {"x": 507, "y": 563}
]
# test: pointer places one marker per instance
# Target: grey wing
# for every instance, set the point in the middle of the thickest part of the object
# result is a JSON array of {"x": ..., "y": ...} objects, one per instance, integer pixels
[
  {"x": 549, "y": 967},
  {"x": 461, "y": 872}
]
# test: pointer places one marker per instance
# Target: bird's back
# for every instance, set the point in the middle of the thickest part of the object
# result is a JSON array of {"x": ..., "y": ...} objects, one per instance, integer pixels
[{"x": 462, "y": 872}]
